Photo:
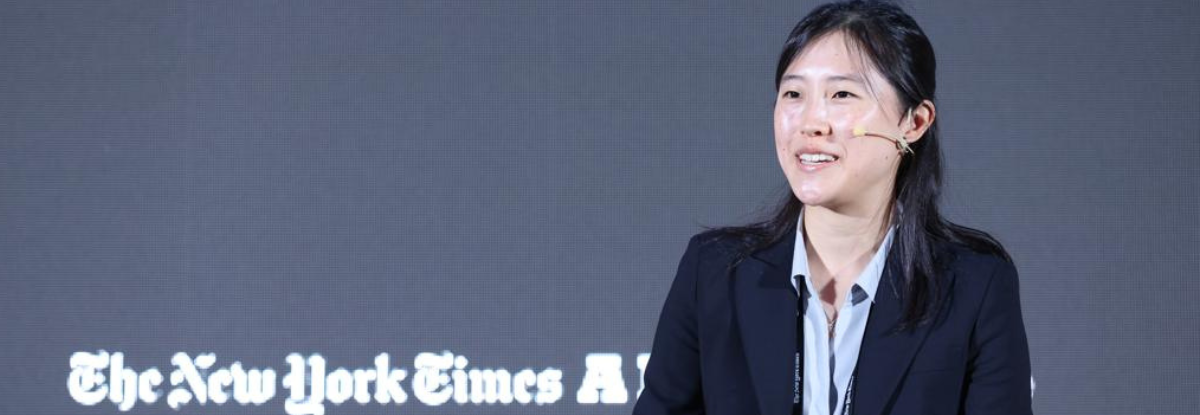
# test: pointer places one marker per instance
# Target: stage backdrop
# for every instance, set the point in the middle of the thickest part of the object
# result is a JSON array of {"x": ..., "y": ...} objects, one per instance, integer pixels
[{"x": 297, "y": 207}]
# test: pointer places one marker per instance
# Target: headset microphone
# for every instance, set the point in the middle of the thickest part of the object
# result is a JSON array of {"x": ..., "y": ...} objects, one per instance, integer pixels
[{"x": 901, "y": 144}]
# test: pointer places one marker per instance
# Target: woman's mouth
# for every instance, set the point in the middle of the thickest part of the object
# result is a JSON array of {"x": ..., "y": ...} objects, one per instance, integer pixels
[{"x": 815, "y": 161}]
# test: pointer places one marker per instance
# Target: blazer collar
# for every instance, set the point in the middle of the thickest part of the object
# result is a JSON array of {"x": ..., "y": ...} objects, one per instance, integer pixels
[
  {"x": 886, "y": 354},
  {"x": 765, "y": 305},
  {"x": 765, "y": 308}
]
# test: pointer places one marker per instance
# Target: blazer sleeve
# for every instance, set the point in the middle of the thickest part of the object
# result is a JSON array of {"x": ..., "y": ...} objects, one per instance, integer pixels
[
  {"x": 672, "y": 378},
  {"x": 998, "y": 376}
]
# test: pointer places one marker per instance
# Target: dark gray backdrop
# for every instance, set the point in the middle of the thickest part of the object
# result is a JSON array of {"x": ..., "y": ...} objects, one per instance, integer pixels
[{"x": 515, "y": 182}]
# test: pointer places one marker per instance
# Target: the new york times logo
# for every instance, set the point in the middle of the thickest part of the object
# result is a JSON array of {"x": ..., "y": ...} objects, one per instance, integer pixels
[{"x": 436, "y": 379}]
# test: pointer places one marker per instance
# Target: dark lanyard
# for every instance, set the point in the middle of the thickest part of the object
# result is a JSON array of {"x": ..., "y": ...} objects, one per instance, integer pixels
[{"x": 798, "y": 377}]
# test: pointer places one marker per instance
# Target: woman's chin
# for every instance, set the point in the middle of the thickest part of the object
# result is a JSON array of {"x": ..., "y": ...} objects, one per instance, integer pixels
[
  {"x": 811, "y": 192},
  {"x": 810, "y": 196}
]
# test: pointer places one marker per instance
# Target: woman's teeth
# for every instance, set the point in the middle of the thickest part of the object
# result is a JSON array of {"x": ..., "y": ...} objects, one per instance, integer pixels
[{"x": 816, "y": 158}]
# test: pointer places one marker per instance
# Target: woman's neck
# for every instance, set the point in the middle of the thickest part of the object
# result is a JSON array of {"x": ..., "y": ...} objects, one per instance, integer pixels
[{"x": 839, "y": 236}]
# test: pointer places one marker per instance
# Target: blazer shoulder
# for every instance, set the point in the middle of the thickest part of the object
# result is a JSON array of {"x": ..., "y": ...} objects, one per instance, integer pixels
[
  {"x": 715, "y": 246},
  {"x": 722, "y": 240},
  {"x": 974, "y": 266}
]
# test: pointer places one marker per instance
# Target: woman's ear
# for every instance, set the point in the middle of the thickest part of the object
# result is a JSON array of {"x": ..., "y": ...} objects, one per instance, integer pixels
[{"x": 918, "y": 121}]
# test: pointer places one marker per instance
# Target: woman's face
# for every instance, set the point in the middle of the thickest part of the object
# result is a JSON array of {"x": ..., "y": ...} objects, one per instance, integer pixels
[{"x": 823, "y": 96}]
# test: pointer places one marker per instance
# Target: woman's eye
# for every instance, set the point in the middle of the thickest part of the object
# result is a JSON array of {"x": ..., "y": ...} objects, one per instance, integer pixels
[
  {"x": 842, "y": 94},
  {"x": 791, "y": 94}
]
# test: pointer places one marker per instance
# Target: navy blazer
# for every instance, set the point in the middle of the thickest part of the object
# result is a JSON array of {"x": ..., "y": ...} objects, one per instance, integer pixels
[{"x": 725, "y": 340}]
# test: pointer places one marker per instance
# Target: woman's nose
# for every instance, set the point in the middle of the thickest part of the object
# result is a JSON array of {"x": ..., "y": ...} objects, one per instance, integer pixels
[{"x": 815, "y": 122}]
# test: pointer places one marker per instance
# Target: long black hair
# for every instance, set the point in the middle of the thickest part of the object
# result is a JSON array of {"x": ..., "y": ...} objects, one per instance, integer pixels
[{"x": 896, "y": 46}]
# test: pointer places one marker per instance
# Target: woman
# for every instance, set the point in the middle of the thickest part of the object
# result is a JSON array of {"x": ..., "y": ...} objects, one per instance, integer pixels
[{"x": 856, "y": 296}]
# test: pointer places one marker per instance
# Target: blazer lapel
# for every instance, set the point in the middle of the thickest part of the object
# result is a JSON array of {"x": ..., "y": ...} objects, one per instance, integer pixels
[
  {"x": 885, "y": 355},
  {"x": 765, "y": 304}
]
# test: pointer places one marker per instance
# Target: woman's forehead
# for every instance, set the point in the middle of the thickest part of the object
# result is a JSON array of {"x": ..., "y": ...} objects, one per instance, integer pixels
[{"x": 831, "y": 57}]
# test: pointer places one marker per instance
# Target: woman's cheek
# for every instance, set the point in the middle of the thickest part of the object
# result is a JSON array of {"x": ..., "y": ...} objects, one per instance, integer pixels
[
  {"x": 782, "y": 132},
  {"x": 781, "y": 147},
  {"x": 843, "y": 124},
  {"x": 783, "y": 125}
]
